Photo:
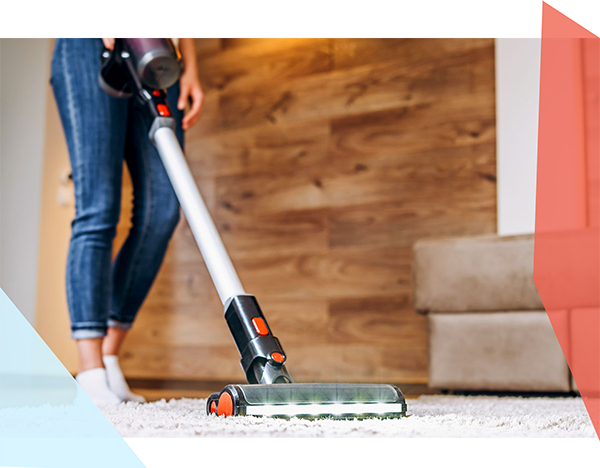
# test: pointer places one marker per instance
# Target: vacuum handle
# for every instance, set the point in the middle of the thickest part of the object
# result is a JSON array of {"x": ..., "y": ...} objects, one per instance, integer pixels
[{"x": 207, "y": 237}]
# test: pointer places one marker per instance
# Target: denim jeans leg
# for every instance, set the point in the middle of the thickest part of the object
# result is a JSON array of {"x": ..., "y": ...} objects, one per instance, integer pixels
[
  {"x": 95, "y": 128},
  {"x": 155, "y": 215}
]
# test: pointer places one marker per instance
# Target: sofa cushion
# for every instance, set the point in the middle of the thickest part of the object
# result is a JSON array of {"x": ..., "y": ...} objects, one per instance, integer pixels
[
  {"x": 499, "y": 351},
  {"x": 478, "y": 273}
]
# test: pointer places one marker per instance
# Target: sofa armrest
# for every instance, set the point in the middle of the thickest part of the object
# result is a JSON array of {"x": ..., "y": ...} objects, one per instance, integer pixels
[{"x": 485, "y": 273}]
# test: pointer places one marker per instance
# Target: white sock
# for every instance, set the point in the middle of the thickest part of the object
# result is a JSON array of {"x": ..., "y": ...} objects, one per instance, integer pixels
[
  {"x": 95, "y": 383},
  {"x": 116, "y": 380}
]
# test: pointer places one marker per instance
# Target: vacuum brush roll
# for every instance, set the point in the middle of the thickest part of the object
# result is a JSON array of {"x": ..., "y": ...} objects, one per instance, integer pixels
[{"x": 309, "y": 401}]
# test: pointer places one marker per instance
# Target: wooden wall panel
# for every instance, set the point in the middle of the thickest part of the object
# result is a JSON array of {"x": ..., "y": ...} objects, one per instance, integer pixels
[{"x": 322, "y": 162}]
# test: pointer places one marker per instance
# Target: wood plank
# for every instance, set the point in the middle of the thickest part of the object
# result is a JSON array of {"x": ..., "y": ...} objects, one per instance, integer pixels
[
  {"x": 302, "y": 322},
  {"x": 179, "y": 284},
  {"x": 257, "y": 235},
  {"x": 210, "y": 121},
  {"x": 297, "y": 232},
  {"x": 276, "y": 150},
  {"x": 159, "y": 394},
  {"x": 349, "y": 53},
  {"x": 207, "y": 46},
  {"x": 229, "y": 43},
  {"x": 291, "y": 147},
  {"x": 462, "y": 173},
  {"x": 377, "y": 321},
  {"x": 350, "y": 274},
  {"x": 189, "y": 325},
  {"x": 198, "y": 362},
  {"x": 260, "y": 64},
  {"x": 325, "y": 363},
  {"x": 206, "y": 186},
  {"x": 403, "y": 223},
  {"x": 182, "y": 247},
  {"x": 351, "y": 363},
  {"x": 465, "y": 120},
  {"x": 361, "y": 89},
  {"x": 263, "y": 193}
]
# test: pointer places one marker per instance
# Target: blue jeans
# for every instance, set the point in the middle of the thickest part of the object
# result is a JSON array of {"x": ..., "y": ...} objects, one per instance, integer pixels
[{"x": 101, "y": 132}]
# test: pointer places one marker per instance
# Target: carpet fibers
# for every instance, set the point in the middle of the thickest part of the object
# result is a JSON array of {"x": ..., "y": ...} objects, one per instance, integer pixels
[{"x": 430, "y": 416}]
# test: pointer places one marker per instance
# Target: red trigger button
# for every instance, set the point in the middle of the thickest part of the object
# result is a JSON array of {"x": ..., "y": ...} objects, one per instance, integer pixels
[{"x": 163, "y": 110}]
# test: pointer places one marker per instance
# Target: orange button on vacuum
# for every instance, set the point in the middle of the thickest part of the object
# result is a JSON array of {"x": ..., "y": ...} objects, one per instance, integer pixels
[
  {"x": 260, "y": 326},
  {"x": 277, "y": 357},
  {"x": 163, "y": 110}
]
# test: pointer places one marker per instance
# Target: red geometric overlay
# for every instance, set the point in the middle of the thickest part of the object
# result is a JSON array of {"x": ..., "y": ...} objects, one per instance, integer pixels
[{"x": 567, "y": 224}]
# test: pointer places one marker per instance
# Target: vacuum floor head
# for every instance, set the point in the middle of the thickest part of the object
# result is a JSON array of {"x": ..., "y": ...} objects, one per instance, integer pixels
[{"x": 309, "y": 401}]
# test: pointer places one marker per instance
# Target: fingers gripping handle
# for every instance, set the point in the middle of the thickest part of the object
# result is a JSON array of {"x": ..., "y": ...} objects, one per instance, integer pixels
[{"x": 207, "y": 237}]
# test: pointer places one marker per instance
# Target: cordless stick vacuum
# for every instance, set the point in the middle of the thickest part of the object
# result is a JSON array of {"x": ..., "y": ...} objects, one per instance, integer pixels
[{"x": 141, "y": 69}]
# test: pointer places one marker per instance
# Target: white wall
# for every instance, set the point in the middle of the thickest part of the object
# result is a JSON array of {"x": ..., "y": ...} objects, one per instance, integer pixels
[
  {"x": 24, "y": 78},
  {"x": 517, "y": 101}
]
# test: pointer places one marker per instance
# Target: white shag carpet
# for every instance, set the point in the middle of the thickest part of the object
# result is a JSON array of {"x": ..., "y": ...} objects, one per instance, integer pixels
[{"x": 429, "y": 416}]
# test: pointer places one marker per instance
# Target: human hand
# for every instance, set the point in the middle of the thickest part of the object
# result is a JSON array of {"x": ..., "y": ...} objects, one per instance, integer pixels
[
  {"x": 190, "y": 89},
  {"x": 109, "y": 43}
]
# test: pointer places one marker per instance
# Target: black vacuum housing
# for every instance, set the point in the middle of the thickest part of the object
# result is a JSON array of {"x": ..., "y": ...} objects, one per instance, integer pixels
[{"x": 263, "y": 358}]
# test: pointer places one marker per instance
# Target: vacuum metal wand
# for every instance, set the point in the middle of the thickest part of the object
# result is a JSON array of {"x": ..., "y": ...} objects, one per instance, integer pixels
[
  {"x": 262, "y": 355},
  {"x": 207, "y": 237}
]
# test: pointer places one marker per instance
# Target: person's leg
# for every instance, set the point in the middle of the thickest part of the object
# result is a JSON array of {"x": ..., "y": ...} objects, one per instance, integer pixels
[
  {"x": 111, "y": 345},
  {"x": 94, "y": 126},
  {"x": 89, "y": 351},
  {"x": 155, "y": 215}
]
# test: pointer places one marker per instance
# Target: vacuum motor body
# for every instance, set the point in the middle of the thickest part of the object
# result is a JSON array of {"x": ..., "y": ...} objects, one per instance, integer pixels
[
  {"x": 143, "y": 69},
  {"x": 154, "y": 63}
]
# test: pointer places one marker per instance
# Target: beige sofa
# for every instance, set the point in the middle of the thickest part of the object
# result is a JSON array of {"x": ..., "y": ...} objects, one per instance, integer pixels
[{"x": 488, "y": 330}]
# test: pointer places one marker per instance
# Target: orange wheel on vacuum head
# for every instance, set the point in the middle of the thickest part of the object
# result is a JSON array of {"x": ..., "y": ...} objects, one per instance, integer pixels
[
  {"x": 225, "y": 405},
  {"x": 213, "y": 407}
]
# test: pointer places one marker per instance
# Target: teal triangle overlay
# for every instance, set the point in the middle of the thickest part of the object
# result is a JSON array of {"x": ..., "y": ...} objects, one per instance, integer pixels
[{"x": 46, "y": 419}]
